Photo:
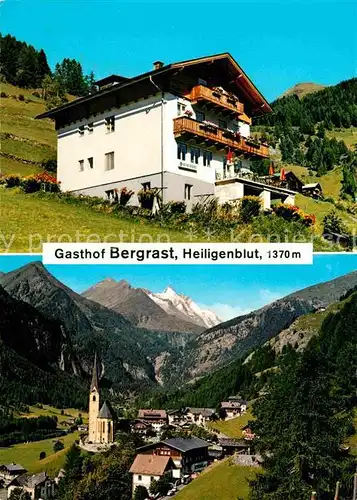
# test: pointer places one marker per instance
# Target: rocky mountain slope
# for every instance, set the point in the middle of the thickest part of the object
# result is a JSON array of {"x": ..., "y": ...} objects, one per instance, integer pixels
[
  {"x": 181, "y": 306},
  {"x": 235, "y": 338},
  {"x": 143, "y": 309},
  {"x": 127, "y": 353},
  {"x": 37, "y": 359}
]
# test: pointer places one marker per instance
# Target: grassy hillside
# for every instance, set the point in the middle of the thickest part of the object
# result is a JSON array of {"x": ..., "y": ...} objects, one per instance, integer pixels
[
  {"x": 302, "y": 89},
  {"x": 49, "y": 219},
  {"x": 51, "y": 411},
  {"x": 232, "y": 428},
  {"x": 222, "y": 480},
  {"x": 27, "y": 454},
  {"x": 25, "y": 142}
]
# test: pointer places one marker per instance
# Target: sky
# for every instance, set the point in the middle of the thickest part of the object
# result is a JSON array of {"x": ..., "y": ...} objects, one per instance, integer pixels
[
  {"x": 227, "y": 290},
  {"x": 278, "y": 43}
]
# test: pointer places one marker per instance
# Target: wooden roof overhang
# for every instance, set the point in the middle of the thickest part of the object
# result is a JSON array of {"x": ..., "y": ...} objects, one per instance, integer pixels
[{"x": 179, "y": 78}]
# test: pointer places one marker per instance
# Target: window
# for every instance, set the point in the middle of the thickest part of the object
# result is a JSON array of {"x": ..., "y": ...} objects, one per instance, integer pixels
[
  {"x": 195, "y": 154},
  {"x": 81, "y": 165},
  {"x": 200, "y": 116},
  {"x": 222, "y": 123},
  {"x": 90, "y": 162},
  {"x": 81, "y": 130},
  {"x": 90, "y": 127},
  {"x": 188, "y": 188},
  {"x": 110, "y": 124},
  {"x": 181, "y": 108},
  {"x": 181, "y": 151},
  {"x": 151, "y": 478},
  {"x": 207, "y": 158},
  {"x": 139, "y": 477},
  {"x": 109, "y": 161},
  {"x": 146, "y": 185},
  {"x": 93, "y": 398}
]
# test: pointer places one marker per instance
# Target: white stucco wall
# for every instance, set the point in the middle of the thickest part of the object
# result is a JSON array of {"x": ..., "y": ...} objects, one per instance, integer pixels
[
  {"x": 144, "y": 481},
  {"x": 138, "y": 157},
  {"x": 136, "y": 142}
]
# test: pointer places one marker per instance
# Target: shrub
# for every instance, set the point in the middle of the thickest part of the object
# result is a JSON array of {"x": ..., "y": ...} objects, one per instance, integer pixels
[
  {"x": 42, "y": 455},
  {"x": 205, "y": 210},
  {"x": 21, "y": 97},
  {"x": 141, "y": 493},
  {"x": 334, "y": 224},
  {"x": 250, "y": 207},
  {"x": 125, "y": 196},
  {"x": 146, "y": 198},
  {"x": 12, "y": 180},
  {"x": 50, "y": 165},
  {"x": 287, "y": 212},
  {"x": 44, "y": 181},
  {"x": 58, "y": 446},
  {"x": 3, "y": 94},
  {"x": 178, "y": 207}
]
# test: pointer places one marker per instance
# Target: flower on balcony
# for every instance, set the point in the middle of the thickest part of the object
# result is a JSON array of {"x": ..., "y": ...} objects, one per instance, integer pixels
[{"x": 188, "y": 113}]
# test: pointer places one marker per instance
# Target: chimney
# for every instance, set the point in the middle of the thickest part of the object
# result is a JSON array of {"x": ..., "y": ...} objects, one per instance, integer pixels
[{"x": 158, "y": 64}]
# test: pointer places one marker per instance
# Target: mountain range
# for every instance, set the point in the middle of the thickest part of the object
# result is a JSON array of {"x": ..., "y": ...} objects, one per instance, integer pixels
[
  {"x": 134, "y": 358},
  {"x": 167, "y": 311}
]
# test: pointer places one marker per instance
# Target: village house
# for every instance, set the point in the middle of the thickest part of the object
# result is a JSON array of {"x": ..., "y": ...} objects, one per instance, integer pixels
[
  {"x": 314, "y": 190},
  {"x": 182, "y": 129},
  {"x": 231, "y": 446},
  {"x": 147, "y": 468},
  {"x": 156, "y": 418},
  {"x": 8, "y": 472},
  {"x": 247, "y": 433},
  {"x": 39, "y": 486},
  {"x": 233, "y": 408},
  {"x": 188, "y": 454},
  {"x": 199, "y": 416}
]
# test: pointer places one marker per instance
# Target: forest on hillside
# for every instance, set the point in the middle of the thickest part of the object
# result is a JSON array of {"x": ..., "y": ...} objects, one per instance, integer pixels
[
  {"x": 23, "y": 65},
  {"x": 300, "y": 128}
]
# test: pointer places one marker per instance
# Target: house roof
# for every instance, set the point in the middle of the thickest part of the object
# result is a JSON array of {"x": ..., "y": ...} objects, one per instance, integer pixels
[
  {"x": 311, "y": 186},
  {"x": 241, "y": 80},
  {"x": 105, "y": 412},
  {"x": 205, "y": 412},
  {"x": 143, "y": 413},
  {"x": 233, "y": 404},
  {"x": 152, "y": 465},
  {"x": 233, "y": 442},
  {"x": 13, "y": 467},
  {"x": 186, "y": 444},
  {"x": 31, "y": 481}
]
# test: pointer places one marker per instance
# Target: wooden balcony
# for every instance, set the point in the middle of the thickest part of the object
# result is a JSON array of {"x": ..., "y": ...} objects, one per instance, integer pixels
[
  {"x": 216, "y": 98},
  {"x": 215, "y": 136}
]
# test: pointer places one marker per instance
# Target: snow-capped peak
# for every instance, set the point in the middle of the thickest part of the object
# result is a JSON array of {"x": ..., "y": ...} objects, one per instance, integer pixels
[{"x": 179, "y": 305}]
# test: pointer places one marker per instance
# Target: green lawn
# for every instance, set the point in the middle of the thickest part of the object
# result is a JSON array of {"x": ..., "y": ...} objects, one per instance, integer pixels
[
  {"x": 23, "y": 215},
  {"x": 331, "y": 182},
  {"x": 51, "y": 411},
  {"x": 232, "y": 428},
  {"x": 221, "y": 481},
  {"x": 27, "y": 454},
  {"x": 30, "y": 139},
  {"x": 320, "y": 209},
  {"x": 349, "y": 135}
]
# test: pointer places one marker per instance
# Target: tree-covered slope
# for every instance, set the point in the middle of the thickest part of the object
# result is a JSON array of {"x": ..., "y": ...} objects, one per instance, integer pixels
[
  {"x": 306, "y": 415},
  {"x": 37, "y": 361}
]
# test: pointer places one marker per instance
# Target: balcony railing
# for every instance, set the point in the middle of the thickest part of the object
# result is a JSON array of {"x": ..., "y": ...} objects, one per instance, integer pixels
[
  {"x": 218, "y": 136},
  {"x": 216, "y": 97}
]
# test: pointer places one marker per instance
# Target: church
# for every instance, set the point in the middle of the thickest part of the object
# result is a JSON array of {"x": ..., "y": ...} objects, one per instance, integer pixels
[{"x": 101, "y": 424}]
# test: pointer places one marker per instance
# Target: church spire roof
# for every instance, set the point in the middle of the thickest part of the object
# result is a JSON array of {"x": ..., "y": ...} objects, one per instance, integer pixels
[
  {"x": 105, "y": 412},
  {"x": 95, "y": 379}
]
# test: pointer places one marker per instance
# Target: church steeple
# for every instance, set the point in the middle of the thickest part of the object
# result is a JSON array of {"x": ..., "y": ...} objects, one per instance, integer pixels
[{"x": 95, "y": 380}]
